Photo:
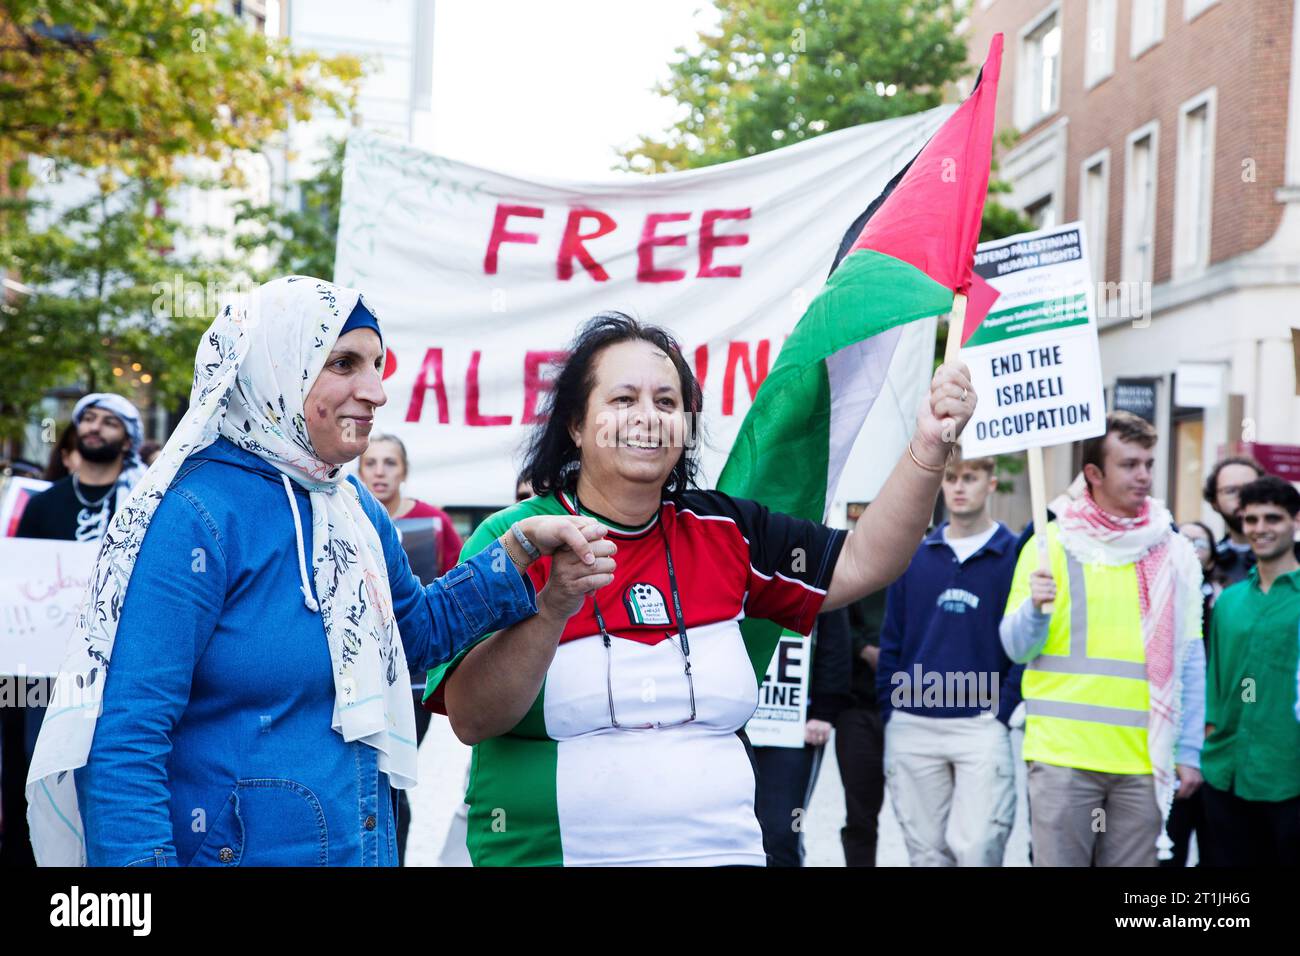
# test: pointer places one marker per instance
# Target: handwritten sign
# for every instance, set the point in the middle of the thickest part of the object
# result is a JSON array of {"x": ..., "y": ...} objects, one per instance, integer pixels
[{"x": 41, "y": 587}]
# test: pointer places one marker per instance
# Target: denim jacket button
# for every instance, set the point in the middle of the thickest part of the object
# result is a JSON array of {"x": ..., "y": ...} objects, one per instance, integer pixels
[
  {"x": 370, "y": 822},
  {"x": 226, "y": 854}
]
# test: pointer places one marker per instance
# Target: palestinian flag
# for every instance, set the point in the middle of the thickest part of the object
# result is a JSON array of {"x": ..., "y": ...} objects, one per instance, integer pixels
[{"x": 903, "y": 259}]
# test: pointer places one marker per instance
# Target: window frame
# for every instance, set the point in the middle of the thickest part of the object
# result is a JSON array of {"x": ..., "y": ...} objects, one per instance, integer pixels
[
  {"x": 1098, "y": 232},
  {"x": 1156, "y": 39},
  {"x": 1028, "y": 94},
  {"x": 1151, "y": 129},
  {"x": 1182, "y": 265},
  {"x": 1107, "y": 70}
]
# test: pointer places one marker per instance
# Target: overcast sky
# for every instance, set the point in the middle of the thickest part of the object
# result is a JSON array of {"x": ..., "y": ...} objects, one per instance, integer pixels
[{"x": 553, "y": 88}]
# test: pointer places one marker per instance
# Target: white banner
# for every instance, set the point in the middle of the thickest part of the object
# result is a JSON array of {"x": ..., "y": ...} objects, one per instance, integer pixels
[
  {"x": 480, "y": 280},
  {"x": 1034, "y": 359},
  {"x": 41, "y": 587}
]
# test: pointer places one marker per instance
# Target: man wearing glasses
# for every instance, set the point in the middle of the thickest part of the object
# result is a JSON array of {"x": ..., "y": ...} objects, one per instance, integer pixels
[{"x": 1233, "y": 555}]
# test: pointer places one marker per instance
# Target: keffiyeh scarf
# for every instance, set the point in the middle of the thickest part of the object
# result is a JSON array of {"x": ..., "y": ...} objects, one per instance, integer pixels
[
  {"x": 1169, "y": 597},
  {"x": 252, "y": 373}
]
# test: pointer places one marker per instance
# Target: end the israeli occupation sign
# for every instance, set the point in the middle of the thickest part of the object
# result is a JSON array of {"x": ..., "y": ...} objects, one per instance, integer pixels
[{"x": 1034, "y": 361}]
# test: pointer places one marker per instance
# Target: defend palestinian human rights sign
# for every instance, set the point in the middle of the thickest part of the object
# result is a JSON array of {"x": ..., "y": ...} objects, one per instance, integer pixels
[
  {"x": 1034, "y": 361},
  {"x": 480, "y": 279}
]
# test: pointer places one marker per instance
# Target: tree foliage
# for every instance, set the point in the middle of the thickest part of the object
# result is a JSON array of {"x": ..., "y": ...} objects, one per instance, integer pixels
[
  {"x": 777, "y": 72},
  {"x": 301, "y": 238},
  {"x": 114, "y": 304},
  {"x": 128, "y": 98},
  {"x": 134, "y": 85}
]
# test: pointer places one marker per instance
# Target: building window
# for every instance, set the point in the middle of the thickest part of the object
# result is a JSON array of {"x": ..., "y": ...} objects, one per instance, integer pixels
[
  {"x": 1042, "y": 212},
  {"x": 1148, "y": 25},
  {"x": 1195, "y": 185},
  {"x": 1140, "y": 205},
  {"x": 1040, "y": 69},
  {"x": 1094, "y": 196},
  {"x": 1099, "y": 61},
  {"x": 1194, "y": 8}
]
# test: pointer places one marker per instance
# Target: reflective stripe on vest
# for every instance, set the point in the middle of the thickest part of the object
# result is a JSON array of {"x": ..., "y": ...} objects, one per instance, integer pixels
[{"x": 1079, "y": 663}]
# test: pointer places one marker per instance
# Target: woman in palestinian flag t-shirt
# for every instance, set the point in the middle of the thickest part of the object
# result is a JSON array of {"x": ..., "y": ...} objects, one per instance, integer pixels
[{"x": 609, "y": 728}]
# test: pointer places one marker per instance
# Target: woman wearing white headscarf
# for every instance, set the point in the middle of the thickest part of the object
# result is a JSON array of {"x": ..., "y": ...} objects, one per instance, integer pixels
[{"x": 220, "y": 703}]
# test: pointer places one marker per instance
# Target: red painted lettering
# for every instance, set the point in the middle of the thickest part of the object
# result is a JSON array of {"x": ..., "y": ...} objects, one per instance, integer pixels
[
  {"x": 534, "y": 383},
  {"x": 702, "y": 364},
  {"x": 500, "y": 234},
  {"x": 472, "y": 414},
  {"x": 571, "y": 246},
  {"x": 429, "y": 377},
  {"x": 709, "y": 242},
  {"x": 645, "y": 257},
  {"x": 738, "y": 354}
]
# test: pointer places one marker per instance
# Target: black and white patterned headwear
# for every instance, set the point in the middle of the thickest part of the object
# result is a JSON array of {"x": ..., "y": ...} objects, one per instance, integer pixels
[{"x": 253, "y": 370}]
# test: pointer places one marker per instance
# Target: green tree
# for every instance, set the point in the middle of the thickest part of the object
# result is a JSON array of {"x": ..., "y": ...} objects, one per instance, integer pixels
[
  {"x": 134, "y": 85},
  {"x": 122, "y": 92},
  {"x": 109, "y": 306},
  {"x": 778, "y": 72},
  {"x": 301, "y": 238}
]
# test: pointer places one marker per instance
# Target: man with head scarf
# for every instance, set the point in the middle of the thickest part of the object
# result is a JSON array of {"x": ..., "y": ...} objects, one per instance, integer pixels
[
  {"x": 80, "y": 506},
  {"x": 77, "y": 507}
]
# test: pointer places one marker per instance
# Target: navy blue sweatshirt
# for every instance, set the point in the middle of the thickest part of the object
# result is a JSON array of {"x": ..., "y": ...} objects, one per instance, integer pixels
[{"x": 940, "y": 655}]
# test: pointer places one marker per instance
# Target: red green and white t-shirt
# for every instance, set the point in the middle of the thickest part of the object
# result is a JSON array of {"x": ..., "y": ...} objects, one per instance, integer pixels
[{"x": 565, "y": 787}]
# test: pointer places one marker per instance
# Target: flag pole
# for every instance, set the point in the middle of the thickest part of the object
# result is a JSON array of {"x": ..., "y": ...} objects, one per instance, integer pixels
[
  {"x": 1037, "y": 480},
  {"x": 956, "y": 326}
]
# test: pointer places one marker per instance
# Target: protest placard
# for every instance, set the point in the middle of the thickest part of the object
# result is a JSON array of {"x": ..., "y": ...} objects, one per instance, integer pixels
[
  {"x": 1034, "y": 360},
  {"x": 783, "y": 696},
  {"x": 41, "y": 587}
]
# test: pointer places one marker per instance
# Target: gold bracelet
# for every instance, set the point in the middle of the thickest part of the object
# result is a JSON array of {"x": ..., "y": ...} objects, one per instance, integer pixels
[
  {"x": 933, "y": 469},
  {"x": 521, "y": 565}
]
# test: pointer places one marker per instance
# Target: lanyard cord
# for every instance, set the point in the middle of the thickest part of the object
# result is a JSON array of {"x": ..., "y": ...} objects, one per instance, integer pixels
[{"x": 672, "y": 587}]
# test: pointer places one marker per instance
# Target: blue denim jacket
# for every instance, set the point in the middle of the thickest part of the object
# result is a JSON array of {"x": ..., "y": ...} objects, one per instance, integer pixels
[{"x": 215, "y": 745}]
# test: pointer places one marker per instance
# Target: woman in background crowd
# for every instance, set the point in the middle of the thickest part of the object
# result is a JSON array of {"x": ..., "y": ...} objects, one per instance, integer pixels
[
  {"x": 384, "y": 467},
  {"x": 1188, "y": 814}
]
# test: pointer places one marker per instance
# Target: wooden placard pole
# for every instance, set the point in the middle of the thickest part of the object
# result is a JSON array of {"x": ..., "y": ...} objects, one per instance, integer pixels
[
  {"x": 1037, "y": 481},
  {"x": 1038, "y": 508}
]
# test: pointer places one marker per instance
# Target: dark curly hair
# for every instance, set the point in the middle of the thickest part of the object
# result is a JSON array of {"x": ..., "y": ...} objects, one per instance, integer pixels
[
  {"x": 551, "y": 460},
  {"x": 1211, "y": 491},
  {"x": 1271, "y": 490}
]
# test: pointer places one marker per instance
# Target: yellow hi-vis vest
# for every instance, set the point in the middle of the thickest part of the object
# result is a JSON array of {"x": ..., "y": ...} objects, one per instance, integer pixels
[{"x": 1086, "y": 694}]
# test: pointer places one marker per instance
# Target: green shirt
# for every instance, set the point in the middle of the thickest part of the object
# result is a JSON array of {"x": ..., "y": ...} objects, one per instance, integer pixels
[{"x": 1254, "y": 751}]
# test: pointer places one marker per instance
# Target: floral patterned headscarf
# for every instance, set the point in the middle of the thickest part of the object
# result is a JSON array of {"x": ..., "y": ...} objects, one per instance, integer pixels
[{"x": 253, "y": 370}]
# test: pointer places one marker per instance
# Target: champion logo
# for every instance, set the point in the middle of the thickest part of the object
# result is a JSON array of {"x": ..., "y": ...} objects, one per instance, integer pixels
[
  {"x": 645, "y": 604},
  {"x": 956, "y": 600}
]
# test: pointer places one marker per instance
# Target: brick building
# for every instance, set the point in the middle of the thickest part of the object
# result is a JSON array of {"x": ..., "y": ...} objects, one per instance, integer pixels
[{"x": 1171, "y": 128}]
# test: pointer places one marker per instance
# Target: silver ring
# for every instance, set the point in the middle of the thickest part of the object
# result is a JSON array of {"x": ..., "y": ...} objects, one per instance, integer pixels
[{"x": 963, "y": 396}]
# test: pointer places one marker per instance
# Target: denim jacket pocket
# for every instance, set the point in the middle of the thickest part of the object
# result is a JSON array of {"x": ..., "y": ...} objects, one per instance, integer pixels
[
  {"x": 285, "y": 823},
  {"x": 224, "y": 843},
  {"x": 460, "y": 582}
]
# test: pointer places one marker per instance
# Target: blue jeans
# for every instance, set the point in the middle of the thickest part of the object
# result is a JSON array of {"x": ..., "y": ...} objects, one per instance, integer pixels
[{"x": 785, "y": 780}]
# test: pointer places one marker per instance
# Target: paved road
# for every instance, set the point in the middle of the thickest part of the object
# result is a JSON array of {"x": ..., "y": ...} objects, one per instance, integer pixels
[{"x": 444, "y": 759}]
